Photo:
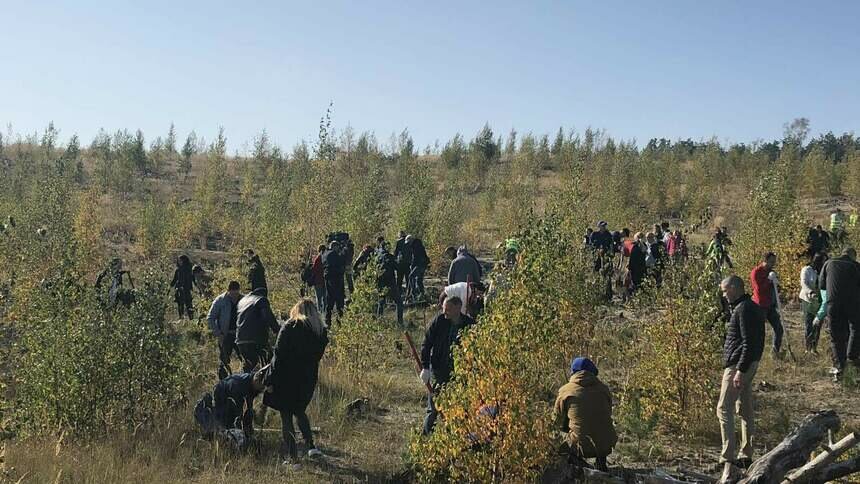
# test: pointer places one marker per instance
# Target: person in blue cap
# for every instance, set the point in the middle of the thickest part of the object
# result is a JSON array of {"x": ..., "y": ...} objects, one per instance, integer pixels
[{"x": 583, "y": 412}]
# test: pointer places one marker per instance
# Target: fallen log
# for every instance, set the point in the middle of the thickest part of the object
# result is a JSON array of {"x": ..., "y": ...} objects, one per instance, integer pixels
[
  {"x": 808, "y": 472},
  {"x": 794, "y": 450},
  {"x": 838, "y": 470}
]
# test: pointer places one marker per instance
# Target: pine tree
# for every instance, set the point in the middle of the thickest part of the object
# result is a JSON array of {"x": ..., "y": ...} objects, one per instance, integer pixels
[
  {"x": 170, "y": 142},
  {"x": 189, "y": 149}
]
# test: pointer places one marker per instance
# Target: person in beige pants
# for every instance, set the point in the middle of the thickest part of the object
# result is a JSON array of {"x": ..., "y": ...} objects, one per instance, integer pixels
[{"x": 742, "y": 351}]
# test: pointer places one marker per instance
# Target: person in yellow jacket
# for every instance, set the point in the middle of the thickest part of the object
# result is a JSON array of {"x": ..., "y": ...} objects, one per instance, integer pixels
[{"x": 583, "y": 411}]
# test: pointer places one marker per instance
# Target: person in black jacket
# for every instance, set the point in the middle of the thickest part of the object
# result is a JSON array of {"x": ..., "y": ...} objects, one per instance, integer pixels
[
  {"x": 233, "y": 400},
  {"x": 254, "y": 320},
  {"x": 183, "y": 285},
  {"x": 403, "y": 256},
  {"x": 386, "y": 284},
  {"x": 742, "y": 351},
  {"x": 420, "y": 261},
  {"x": 256, "y": 270},
  {"x": 333, "y": 265},
  {"x": 840, "y": 277},
  {"x": 437, "y": 362},
  {"x": 294, "y": 373}
]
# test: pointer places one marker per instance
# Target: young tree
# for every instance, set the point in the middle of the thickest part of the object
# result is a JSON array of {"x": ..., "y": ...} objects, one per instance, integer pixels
[
  {"x": 189, "y": 149},
  {"x": 452, "y": 153},
  {"x": 170, "y": 142}
]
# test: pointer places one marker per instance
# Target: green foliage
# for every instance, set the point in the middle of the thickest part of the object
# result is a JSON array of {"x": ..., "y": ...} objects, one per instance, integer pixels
[
  {"x": 773, "y": 222},
  {"x": 514, "y": 358},
  {"x": 360, "y": 342},
  {"x": 676, "y": 360},
  {"x": 86, "y": 367}
]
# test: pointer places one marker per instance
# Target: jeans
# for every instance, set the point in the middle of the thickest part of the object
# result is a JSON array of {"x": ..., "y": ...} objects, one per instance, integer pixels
[
  {"x": 225, "y": 350},
  {"x": 811, "y": 331},
  {"x": 253, "y": 355},
  {"x": 772, "y": 315},
  {"x": 320, "y": 293},
  {"x": 430, "y": 418},
  {"x": 394, "y": 294},
  {"x": 740, "y": 400},
  {"x": 289, "y": 433},
  {"x": 416, "y": 279},
  {"x": 844, "y": 337}
]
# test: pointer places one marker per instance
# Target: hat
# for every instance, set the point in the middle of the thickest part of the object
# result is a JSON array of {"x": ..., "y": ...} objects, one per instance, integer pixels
[
  {"x": 581, "y": 363},
  {"x": 602, "y": 223}
]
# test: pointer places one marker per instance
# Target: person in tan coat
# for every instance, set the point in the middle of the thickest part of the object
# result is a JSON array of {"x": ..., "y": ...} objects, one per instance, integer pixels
[{"x": 583, "y": 411}]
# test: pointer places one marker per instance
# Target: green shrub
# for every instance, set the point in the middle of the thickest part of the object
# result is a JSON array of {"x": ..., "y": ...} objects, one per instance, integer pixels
[{"x": 86, "y": 367}]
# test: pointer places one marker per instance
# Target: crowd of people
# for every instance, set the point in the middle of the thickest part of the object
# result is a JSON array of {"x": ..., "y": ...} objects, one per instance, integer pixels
[{"x": 286, "y": 372}]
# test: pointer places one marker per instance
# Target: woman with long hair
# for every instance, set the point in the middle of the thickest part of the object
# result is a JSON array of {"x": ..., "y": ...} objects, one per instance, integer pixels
[{"x": 294, "y": 373}]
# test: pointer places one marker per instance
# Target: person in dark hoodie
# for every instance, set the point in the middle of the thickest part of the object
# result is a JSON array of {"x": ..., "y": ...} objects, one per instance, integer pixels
[
  {"x": 742, "y": 352},
  {"x": 333, "y": 266},
  {"x": 294, "y": 373},
  {"x": 420, "y": 261},
  {"x": 403, "y": 256},
  {"x": 386, "y": 285},
  {"x": 233, "y": 400},
  {"x": 839, "y": 281},
  {"x": 256, "y": 270},
  {"x": 183, "y": 285},
  {"x": 254, "y": 320}
]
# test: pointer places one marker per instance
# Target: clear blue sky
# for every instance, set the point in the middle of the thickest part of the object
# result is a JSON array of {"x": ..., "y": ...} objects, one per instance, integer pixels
[{"x": 735, "y": 69}]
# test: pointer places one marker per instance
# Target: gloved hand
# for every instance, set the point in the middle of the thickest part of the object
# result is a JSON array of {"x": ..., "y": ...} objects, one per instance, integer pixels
[
  {"x": 816, "y": 322},
  {"x": 773, "y": 277},
  {"x": 425, "y": 376}
]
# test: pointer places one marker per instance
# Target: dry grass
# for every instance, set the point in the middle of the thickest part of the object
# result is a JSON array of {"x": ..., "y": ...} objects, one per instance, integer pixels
[{"x": 368, "y": 447}]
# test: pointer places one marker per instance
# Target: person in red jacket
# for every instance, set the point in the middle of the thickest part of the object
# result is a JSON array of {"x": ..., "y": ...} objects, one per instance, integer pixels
[
  {"x": 764, "y": 295},
  {"x": 318, "y": 281}
]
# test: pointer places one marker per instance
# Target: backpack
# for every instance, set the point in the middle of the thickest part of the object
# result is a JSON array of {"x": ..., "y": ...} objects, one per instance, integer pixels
[{"x": 204, "y": 414}]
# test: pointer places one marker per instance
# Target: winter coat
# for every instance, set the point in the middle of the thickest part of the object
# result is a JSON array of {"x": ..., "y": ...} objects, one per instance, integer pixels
[
  {"x": 333, "y": 265},
  {"x": 222, "y": 315},
  {"x": 256, "y": 273},
  {"x": 233, "y": 399},
  {"x": 840, "y": 277},
  {"x": 419, "y": 254},
  {"x": 441, "y": 336},
  {"x": 464, "y": 269},
  {"x": 183, "y": 278},
  {"x": 255, "y": 318},
  {"x": 583, "y": 410},
  {"x": 295, "y": 367},
  {"x": 744, "y": 335},
  {"x": 318, "y": 279},
  {"x": 762, "y": 287}
]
